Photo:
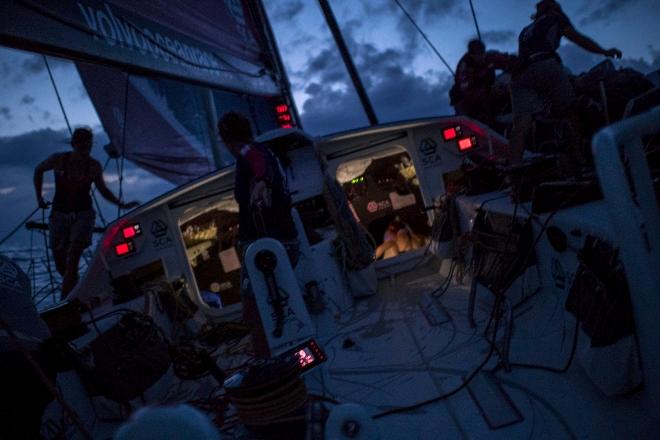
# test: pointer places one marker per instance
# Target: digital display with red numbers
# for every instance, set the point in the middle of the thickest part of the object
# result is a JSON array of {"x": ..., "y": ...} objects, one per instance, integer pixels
[
  {"x": 284, "y": 119},
  {"x": 307, "y": 355}
]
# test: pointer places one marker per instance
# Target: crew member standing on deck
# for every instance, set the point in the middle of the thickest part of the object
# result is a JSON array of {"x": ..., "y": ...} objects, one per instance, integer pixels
[
  {"x": 264, "y": 206},
  {"x": 71, "y": 220},
  {"x": 473, "y": 94},
  {"x": 540, "y": 77}
]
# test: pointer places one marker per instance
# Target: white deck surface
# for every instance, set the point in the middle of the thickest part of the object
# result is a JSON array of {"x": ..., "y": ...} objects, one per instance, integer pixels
[{"x": 400, "y": 359}]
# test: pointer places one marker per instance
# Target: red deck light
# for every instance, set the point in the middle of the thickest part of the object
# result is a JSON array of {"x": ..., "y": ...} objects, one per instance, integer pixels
[
  {"x": 284, "y": 118},
  {"x": 131, "y": 231},
  {"x": 451, "y": 133},
  {"x": 467, "y": 143},
  {"x": 122, "y": 249}
]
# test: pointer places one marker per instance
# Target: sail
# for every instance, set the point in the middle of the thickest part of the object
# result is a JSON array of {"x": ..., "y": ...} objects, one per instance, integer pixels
[
  {"x": 158, "y": 124},
  {"x": 212, "y": 42}
]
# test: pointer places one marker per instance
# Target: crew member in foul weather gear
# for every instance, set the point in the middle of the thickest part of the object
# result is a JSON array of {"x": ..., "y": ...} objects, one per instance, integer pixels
[
  {"x": 540, "y": 78},
  {"x": 264, "y": 205},
  {"x": 473, "y": 93}
]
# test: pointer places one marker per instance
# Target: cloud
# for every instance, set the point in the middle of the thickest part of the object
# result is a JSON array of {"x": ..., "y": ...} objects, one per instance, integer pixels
[
  {"x": 28, "y": 149},
  {"x": 579, "y": 60},
  {"x": 288, "y": 10},
  {"x": 428, "y": 11},
  {"x": 27, "y": 100},
  {"x": 425, "y": 13},
  {"x": 605, "y": 10},
  {"x": 33, "y": 64},
  {"x": 5, "y": 112},
  {"x": 327, "y": 64},
  {"x": 20, "y": 154},
  {"x": 25, "y": 64},
  {"x": 498, "y": 36},
  {"x": 395, "y": 93}
]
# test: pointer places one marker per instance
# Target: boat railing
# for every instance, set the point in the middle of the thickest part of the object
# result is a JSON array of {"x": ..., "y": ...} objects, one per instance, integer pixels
[{"x": 630, "y": 197}]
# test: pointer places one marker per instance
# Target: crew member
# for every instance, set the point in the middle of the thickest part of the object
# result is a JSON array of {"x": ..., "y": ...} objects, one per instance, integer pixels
[
  {"x": 540, "y": 77},
  {"x": 473, "y": 93},
  {"x": 71, "y": 220},
  {"x": 264, "y": 206}
]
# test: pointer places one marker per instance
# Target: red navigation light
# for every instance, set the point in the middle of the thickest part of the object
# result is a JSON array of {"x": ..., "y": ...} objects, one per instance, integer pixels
[
  {"x": 467, "y": 143},
  {"x": 131, "y": 231},
  {"x": 122, "y": 249},
  {"x": 451, "y": 133}
]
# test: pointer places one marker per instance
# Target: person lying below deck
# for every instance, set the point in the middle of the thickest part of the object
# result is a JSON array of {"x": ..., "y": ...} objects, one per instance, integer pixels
[{"x": 398, "y": 238}]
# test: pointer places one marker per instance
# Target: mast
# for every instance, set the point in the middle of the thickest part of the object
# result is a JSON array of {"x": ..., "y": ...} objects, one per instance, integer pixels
[{"x": 346, "y": 56}]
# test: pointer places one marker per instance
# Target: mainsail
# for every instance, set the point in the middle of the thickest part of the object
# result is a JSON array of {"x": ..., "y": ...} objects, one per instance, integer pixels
[
  {"x": 205, "y": 41},
  {"x": 156, "y": 70}
]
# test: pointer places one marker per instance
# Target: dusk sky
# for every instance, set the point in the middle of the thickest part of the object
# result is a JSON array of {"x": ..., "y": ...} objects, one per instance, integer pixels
[{"x": 402, "y": 75}]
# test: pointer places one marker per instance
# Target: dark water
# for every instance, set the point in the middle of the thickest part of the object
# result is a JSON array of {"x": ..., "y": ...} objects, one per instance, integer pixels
[{"x": 40, "y": 268}]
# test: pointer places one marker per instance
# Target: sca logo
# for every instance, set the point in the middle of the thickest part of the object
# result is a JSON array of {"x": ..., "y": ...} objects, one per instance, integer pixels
[
  {"x": 430, "y": 156},
  {"x": 159, "y": 231}
]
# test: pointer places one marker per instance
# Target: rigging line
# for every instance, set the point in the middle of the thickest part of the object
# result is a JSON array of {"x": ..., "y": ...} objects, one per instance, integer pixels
[
  {"x": 59, "y": 99},
  {"x": 96, "y": 202},
  {"x": 123, "y": 145},
  {"x": 13, "y": 231},
  {"x": 48, "y": 266},
  {"x": 474, "y": 17},
  {"x": 57, "y": 93},
  {"x": 412, "y": 20}
]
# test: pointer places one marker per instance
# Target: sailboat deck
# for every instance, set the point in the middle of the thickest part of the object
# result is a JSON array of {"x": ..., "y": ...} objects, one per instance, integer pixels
[{"x": 384, "y": 352}]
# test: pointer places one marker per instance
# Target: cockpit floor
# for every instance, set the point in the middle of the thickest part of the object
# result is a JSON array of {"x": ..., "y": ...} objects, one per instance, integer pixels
[{"x": 385, "y": 352}]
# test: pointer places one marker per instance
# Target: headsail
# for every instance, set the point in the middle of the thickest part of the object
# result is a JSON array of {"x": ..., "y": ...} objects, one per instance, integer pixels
[{"x": 163, "y": 136}]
